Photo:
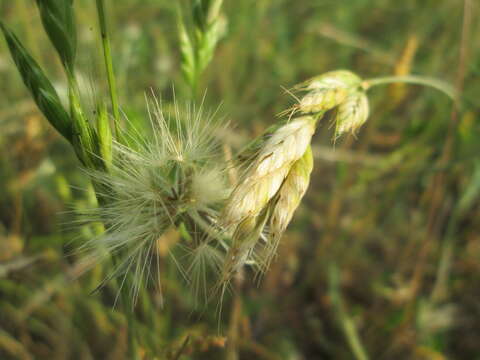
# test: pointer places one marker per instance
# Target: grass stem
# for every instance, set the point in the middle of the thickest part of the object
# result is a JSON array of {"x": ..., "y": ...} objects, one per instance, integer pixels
[
  {"x": 442, "y": 86},
  {"x": 108, "y": 63},
  {"x": 348, "y": 326}
]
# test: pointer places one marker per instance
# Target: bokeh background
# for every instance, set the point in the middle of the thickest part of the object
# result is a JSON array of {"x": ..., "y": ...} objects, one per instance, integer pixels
[{"x": 381, "y": 261}]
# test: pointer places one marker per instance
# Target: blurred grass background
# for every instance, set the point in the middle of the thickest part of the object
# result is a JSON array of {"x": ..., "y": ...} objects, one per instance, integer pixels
[{"x": 382, "y": 260}]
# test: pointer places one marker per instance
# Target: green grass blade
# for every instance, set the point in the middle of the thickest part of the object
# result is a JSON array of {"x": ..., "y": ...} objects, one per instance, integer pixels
[{"x": 36, "y": 81}]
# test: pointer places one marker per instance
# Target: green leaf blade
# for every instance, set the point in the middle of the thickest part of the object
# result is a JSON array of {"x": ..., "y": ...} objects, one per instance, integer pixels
[{"x": 40, "y": 87}]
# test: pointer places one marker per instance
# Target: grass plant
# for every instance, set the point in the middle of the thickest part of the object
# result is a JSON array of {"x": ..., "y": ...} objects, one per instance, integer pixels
[{"x": 179, "y": 208}]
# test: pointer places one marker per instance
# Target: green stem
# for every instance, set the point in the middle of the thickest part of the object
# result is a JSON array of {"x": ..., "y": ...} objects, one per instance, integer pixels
[
  {"x": 128, "y": 308},
  {"x": 442, "y": 86},
  {"x": 348, "y": 326},
  {"x": 108, "y": 64},
  {"x": 83, "y": 142}
]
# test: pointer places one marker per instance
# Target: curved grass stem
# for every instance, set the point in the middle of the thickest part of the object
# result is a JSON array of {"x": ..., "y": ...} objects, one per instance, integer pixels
[{"x": 442, "y": 86}]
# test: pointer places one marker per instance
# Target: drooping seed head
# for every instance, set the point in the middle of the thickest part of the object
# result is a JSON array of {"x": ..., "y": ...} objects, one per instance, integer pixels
[
  {"x": 284, "y": 205},
  {"x": 322, "y": 100},
  {"x": 291, "y": 193},
  {"x": 244, "y": 240},
  {"x": 332, "y": 79},
  {"x": 271, "y": 165},
  {"x": 326, "y": 91},
  {"x": 352, "y": 113}
]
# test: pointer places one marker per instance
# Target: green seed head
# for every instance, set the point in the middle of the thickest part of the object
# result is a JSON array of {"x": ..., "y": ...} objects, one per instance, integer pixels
[{"x": 59, "y": 23}]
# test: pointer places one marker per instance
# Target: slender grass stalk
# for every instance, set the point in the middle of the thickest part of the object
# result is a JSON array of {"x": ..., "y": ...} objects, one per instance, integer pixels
[
  {"x": 126, "y": 300},
  {"x": 348, "y": 326},
  {"x": 107, "y": 54},
  {"x": 440, "y": 85},
  {"x": 182, "y": 348},
  {"x": 463, "y": 206},
  {"x": 128, "y": 307}
]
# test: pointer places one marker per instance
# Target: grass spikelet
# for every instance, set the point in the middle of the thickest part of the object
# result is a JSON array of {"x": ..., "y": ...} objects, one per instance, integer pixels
[
  {"x": 322, "y": 100},
  {"x": 351, "y": 114},
  {"x": 250, "y": 206},
  {"x": 324, "y": 92},
  {"x": 197, "y": 46},
  {"x": 265, "y": 175},
  {"x": 331, "y": 80},
  {"x": 286, "y": 203},
  {"x": 241, "y": 251},
  {"x": 59, "y": 23}
]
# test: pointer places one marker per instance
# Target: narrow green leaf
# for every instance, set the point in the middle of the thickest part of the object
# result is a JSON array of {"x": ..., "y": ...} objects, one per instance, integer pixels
[{"x": 36, "y": 81}]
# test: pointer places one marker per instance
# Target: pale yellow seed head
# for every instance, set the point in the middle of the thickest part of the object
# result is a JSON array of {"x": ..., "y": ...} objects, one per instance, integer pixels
[
  {"x": 352, "y": 113},
  {"x": 327, "y": 91},
  {"x": 291, "y": 193},
  {"x": 333, "y": 79},
  {"x": 266, "y": 174},
  {"x": 322, "y": 100}
]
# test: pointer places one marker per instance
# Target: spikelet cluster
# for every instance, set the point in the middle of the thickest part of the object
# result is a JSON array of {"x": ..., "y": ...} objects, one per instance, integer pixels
[
  {"x": 352, "y": 113},
  {"x": 339, "y": 90},
  {"x": 268, "y": 194},
  {"x": 268, "y": 169},
  {"x": 278, "y": 172},
  {"x": 287, "y": 201},
  {"x": 176, "y": 179}
]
